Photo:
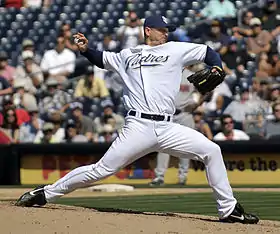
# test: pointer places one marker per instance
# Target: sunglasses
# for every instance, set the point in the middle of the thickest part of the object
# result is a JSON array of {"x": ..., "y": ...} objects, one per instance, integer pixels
[
  {"x": 33, "y": 112},
  {"x": 47, "y": 131},
  {"x": 230, "y": 122}
]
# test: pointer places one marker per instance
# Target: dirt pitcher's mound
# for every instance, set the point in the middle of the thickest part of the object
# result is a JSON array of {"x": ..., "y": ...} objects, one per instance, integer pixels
[{"x": 65, "y": 219}]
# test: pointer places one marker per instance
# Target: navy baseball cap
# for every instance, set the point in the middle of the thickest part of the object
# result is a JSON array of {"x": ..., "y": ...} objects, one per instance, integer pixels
[{"x": 158, "y": 21}]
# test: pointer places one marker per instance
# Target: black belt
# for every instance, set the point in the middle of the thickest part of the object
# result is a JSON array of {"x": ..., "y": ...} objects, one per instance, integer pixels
[
  {"x": 177, "y": 112},
  {"x": 150, "y": 116}
]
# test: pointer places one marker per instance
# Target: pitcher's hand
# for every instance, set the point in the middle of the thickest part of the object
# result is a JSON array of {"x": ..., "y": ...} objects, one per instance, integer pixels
[{"x": 81, "y": 41}]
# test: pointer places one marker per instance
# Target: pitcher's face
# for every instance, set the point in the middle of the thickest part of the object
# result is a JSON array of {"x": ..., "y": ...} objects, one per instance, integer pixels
[{"x": 157, "y": 36}]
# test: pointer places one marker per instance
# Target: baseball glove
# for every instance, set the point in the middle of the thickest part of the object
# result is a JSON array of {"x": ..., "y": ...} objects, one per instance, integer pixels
[{"x": 207, "y": 79}]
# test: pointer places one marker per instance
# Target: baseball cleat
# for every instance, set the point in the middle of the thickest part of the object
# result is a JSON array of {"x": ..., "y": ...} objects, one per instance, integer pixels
[
  {"x": 157, "y": 182},
  {"x": 238, "y": 215},
  {"x": 31, "y": 198},
  {"x": 182, "y": 182}
]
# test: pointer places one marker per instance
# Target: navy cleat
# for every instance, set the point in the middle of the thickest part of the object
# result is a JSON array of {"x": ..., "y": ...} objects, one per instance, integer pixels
[
  {"x": 238, "y": 215},
  {"x": 31, "y": 198}
]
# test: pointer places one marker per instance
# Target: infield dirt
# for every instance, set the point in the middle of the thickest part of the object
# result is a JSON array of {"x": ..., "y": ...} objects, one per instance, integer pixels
[{"x": 68, "y": 219}]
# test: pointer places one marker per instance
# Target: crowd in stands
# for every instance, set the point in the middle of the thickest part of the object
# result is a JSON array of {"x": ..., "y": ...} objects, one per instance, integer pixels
[{"x": 40, "y": 104}]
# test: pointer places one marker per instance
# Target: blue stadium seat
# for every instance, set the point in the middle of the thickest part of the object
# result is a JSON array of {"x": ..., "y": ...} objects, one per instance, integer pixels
[
  {"x": 196, "y": 6},
  {"x": 93, "y": 2}
]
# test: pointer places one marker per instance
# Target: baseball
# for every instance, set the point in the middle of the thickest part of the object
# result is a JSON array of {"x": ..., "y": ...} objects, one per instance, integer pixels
[{"x": 77, "y": 41}]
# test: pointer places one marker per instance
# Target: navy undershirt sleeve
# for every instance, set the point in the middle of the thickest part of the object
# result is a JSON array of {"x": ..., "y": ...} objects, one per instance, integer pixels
[
  {"x": 95, "y": 57},
  {"x": 212, "y": 58}
]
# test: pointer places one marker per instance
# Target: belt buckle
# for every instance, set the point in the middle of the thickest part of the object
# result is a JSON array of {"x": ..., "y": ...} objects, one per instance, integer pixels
[{"x": 152, "y": 117}]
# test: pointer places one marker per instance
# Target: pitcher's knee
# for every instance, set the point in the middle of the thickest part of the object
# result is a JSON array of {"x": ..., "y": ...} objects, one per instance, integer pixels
[
  {"x": 213, "y": 150},
  {"x": 99, "y": 171},
  {"x": 216, "y": 148}
]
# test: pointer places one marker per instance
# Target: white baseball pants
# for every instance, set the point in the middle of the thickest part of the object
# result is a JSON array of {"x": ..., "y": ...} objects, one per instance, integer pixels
[
  {"x": 184, "y": 119},
  {"x": 140, "y": 137}
]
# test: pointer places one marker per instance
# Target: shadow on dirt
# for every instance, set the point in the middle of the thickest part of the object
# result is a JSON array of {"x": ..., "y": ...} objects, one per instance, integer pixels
[{"x": 166, "y": 214}]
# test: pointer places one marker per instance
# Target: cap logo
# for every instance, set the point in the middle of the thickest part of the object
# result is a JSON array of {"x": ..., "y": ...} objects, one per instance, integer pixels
[{"x": 164, "y": 19}]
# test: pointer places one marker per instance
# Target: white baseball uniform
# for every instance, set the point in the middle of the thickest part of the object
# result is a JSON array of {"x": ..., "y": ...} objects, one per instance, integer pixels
[
  {"x": 183, "y": 100},
  {"x": 152, "y": 77}
]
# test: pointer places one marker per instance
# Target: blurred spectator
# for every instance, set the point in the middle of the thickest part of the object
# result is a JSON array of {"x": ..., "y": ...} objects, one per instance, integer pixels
[
  {"x": 108, "y": 44},
  {"x": 10, "y": 125},
  {"x": 276, "y": 35},
  {"x": 91, "y": 86},
  {"x": 222, "y": 95},
  {"x": 216, "y": 39},
  {"x": 264, "y": 89},
  {"x": 59, "y": 63},
  {"x": 71, "y": 133},
  {"x": 56, "y": 118},
  {"x": 46, "y": 135},
  {"x": 57, "y": 132},
  {"x": 14, "y": 3},
  {"x": 236, "y": 59},
  {"x": 228, "y": 132},
  {"x": 131, "y": 34},
  {"x": 29, "y": 72},
  {"x": 4, "y": 138},
  {"x": 239, "y": 108},
  {"x": 272, "y": 127},
  {"x": 84, "y": 123},
  {"x": 108, "y": 117},
  {"x": 5, "y": 88},
  {"x": 29, "y": 130},
  {"x": 244, "y": 30},
  {"x": 245, "y": 108},
  {"x": 270, "y": 14},
  {"x": 108, "y": 134},
  {"x": 66, "y": 33},
  {"x": 275, "y": 62},
  {"x": 28, "y": 45},
  {"x": 256, "y": 88},
  {"x": 6, "y": 70},
  {"x": 22, "y": 114},
  {"x": 36, "y": 3},
  {"x": 265, "y": 69},
  {"x": 201, "y": 125},
  {"x": 54, "y": 98},
  {"x": 274, "y": 91},
  {"x": 253, "y": 125},
  {"x": 22, "y": 97},
  {"x": 260, "y": 39},
  {"x": 219, "y": 9}
]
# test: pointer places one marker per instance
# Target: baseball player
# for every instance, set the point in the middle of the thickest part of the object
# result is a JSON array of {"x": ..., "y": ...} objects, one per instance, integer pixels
[
  {"x": 184, "y": 103},
  {"x": 151, "y": 76}
]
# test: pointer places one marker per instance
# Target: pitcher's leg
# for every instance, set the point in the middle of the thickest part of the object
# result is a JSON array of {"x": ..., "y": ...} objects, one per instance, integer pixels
[
  {"x": 181, "y": 141},
  {"x": 162, "y": 165},
  {"x": 132, "y": 144},
  {"x": 183, "y": 169},
  {"x": 80, "y": 177}
]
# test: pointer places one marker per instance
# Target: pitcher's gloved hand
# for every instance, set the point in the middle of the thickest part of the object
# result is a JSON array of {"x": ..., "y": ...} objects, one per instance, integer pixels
[{"x": 207, "y": 79}]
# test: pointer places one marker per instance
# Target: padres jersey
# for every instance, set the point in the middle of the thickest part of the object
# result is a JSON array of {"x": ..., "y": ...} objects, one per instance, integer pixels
[{"x": 150, "y": 73}]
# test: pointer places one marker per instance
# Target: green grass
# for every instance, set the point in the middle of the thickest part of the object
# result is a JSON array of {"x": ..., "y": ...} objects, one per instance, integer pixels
[{"x": 264, "y": 204}]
